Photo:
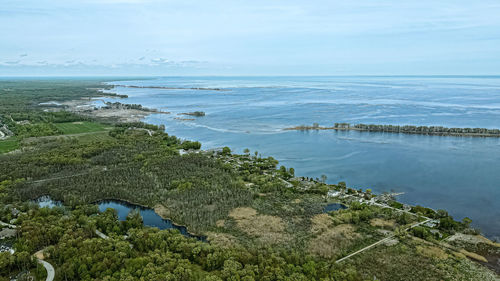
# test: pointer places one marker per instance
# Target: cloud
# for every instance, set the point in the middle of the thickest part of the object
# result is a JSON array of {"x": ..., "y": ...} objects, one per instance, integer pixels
[
  {"x": 11, "y": 62},
  {"x": 179, "y": 64},
  {"x": 160, "y": 61},
  {"x": 23, "y": 55}
]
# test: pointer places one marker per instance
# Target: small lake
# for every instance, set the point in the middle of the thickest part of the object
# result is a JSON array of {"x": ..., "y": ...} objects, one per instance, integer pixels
[
  {"x": 334, "y": 207},
  {"x": 149, "y": 217},
  {"x": 46, "y": 201}
]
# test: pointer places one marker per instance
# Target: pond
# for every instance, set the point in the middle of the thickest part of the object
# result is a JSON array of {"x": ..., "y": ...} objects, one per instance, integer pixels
[
  {"x": 149, "y": 217},
  {"x": 334, "y": 207},
  {"x": 46, "y": 201}
]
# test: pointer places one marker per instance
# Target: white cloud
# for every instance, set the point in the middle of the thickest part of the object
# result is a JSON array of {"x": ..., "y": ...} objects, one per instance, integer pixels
[{"x": 7, "y": 63}]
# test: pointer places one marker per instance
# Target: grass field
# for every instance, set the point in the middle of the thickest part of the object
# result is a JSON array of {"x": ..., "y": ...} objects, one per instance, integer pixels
[
  {"x": 8, "y": 145},
  {"x": 92, "y": 136},
  {"x": 79, "y": 127}
]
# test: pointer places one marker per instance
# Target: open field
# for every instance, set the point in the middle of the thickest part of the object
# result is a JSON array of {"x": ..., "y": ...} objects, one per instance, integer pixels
[
  {"x": 8, "y": 145},
  {"x": 261, "y": 222},
  {"x": 79, "y": 127}
]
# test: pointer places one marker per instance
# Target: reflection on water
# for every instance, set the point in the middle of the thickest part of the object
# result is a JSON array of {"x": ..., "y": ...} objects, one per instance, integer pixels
[
  {"x": 46, "y": 201},
  {"x": 149, "y": 217}
]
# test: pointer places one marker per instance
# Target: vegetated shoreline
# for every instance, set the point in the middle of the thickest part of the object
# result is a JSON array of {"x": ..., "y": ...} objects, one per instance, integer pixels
[
  {"x": 156, "y": 211},
  {"x": 348, "y": 192},
  {"x": 405, "y": 129},
  {"x": 170, "y": 88},
  {"x": 128, "y": 115},
  {"x": 115, "y": 111}
]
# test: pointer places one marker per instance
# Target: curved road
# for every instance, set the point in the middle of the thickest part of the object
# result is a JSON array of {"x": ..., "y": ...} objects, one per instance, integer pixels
[{"x": 50, "y": 270}]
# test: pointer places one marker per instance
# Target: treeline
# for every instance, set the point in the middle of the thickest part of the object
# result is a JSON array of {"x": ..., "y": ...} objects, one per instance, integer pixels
[
  {"x": 195, "y": 113},
  {"x": 20, "y": 109},
  {"x": 405, "y": 129},
  {"x": 18, "y": 96},
  {"x": 119, "y": 105},
  {"x": 130, "y": 165},
  {"x": 76, "y": 252},
  {"x": 424, "y": 130},
  {"x": 36, "y": 123}
]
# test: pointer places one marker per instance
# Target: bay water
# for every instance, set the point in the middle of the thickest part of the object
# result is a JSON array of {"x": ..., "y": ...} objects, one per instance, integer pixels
[{"x": 458, "y": 174}]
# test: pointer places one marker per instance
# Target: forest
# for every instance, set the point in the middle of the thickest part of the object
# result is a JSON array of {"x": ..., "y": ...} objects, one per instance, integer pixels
[{"x": 262, "y": 222}]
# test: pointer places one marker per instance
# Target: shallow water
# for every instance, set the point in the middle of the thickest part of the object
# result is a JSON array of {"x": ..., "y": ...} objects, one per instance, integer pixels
[
  {"x": 459, "y": 174},
  {"x": 334, "y": 207}
]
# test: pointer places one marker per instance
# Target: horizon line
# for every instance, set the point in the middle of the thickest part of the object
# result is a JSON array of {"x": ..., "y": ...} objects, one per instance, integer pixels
[{"x": 251, "y": 75}]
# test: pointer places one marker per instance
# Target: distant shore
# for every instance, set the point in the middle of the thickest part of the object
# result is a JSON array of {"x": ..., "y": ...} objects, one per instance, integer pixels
[
  {"x": 171, "y": 88},
  {"x": 406, "y": 129}
]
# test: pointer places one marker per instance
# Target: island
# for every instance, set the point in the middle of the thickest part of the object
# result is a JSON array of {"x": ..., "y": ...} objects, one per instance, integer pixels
[
  {"x": 405, "y": 129},
  {"x": 226, "y": 216}
]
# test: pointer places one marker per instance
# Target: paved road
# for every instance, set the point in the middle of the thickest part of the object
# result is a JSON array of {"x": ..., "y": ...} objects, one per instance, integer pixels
[
  {"x": 102, "y": 235},
  {"x": 50, "y": 270}
]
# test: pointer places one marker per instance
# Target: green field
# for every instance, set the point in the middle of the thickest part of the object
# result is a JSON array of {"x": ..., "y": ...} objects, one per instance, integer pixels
[
  {"x": 79, "y": 127},
  {"x": 8, "y": 145}
]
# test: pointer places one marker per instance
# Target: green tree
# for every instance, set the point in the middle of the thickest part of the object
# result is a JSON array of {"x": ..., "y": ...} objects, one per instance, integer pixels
[
  {"x": 466, "y": 222},
  {"x": 323, "y": 178},
  {"x": 342, "y": 185},
  {"x": 226, "y": 150}
]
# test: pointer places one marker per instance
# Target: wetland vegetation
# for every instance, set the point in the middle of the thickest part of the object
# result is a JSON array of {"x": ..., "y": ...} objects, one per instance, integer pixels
[{"x": 262, "y": 222}]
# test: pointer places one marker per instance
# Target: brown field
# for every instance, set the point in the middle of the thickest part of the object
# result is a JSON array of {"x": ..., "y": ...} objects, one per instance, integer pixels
[
  {"x": 332, "y": 241},
  {"x": 268, "y": 229},
  {"x": 432, "y": 252},
  {"x": 389, "y": 224},
  {"x": 223, "y": 240}
]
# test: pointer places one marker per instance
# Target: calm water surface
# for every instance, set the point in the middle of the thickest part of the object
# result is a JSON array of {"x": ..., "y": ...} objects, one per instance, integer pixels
[
  {"x": 459, "y": 174},
  {"x": 122, "y": 208},
  {"x": 334, "y": 207},
  {"x": 149, "y": 217}
]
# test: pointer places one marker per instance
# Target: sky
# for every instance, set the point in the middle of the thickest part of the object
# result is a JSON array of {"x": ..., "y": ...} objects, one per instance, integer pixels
[{"x": 258, "y": 37}]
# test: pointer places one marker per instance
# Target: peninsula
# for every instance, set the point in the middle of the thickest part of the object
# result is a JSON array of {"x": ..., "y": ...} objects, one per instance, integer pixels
[
  {"x": 405, "y": 129},
  {"x": 261, "y": 221}
]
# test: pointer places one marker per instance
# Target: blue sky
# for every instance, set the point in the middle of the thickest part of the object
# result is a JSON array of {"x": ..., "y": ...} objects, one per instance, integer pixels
[{"x": 259, "y": 37}]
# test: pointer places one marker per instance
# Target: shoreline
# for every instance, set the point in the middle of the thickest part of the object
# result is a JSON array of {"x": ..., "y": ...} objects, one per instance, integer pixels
[
  {"x": 140, "y": 118},
  {"x": 425, "y": 133},
  {"x": 154, "y": 209},
  {"x": 169, "y": 88},
  {"x": 120, "y": 112}
]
